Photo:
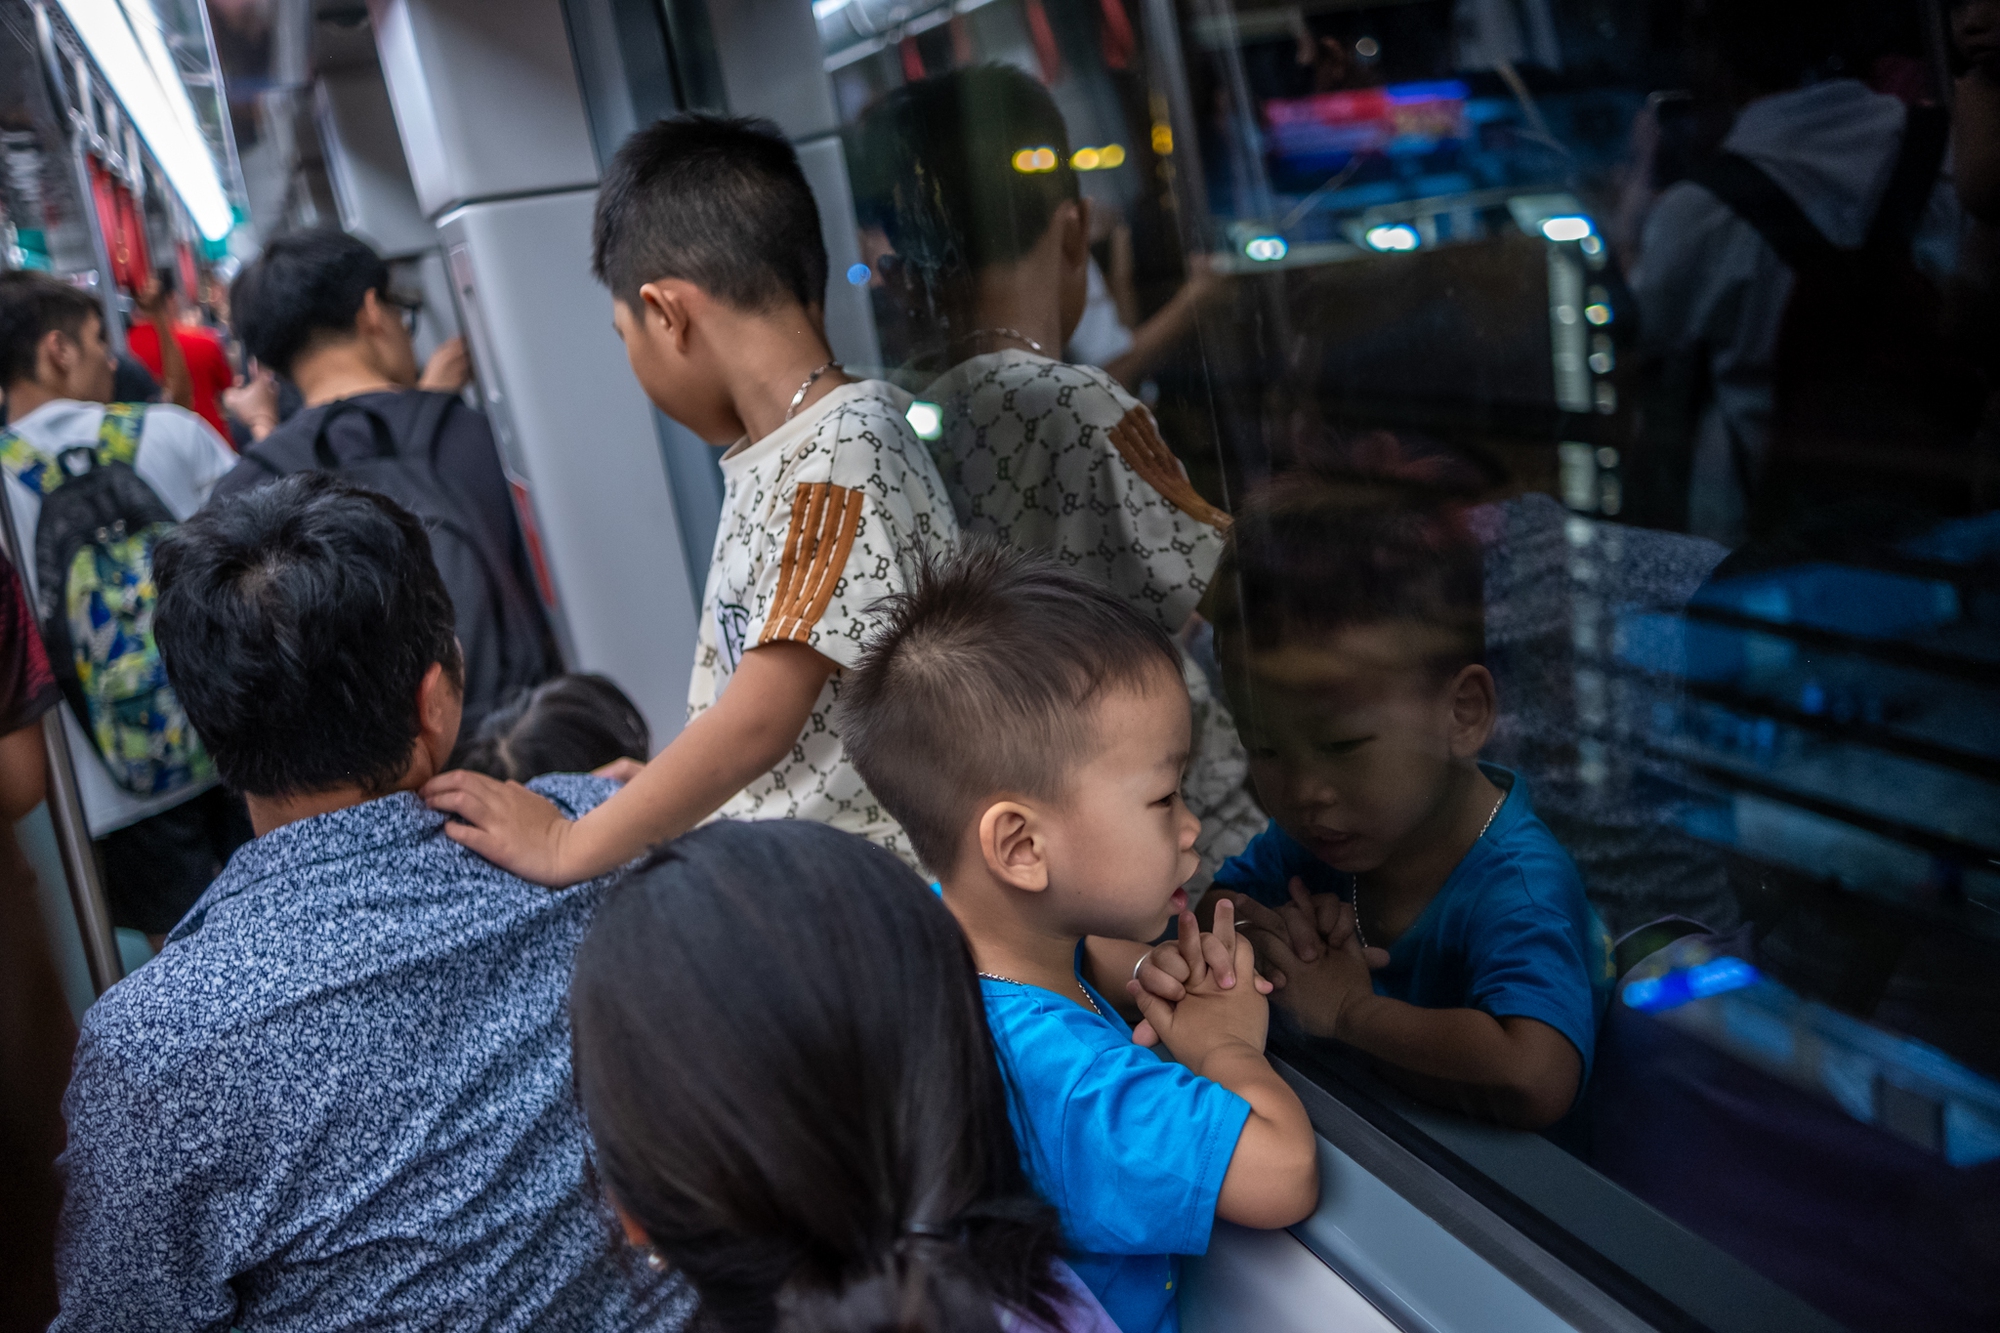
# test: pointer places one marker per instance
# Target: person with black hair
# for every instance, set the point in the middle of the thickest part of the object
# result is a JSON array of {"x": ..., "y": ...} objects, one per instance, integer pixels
[
  {"x": 341, "y": 1094},
  {"x": 160, "y": 841},
  {"x": 708, "y": 237},
  {"x": 571, "y": 724},
  {"x": 1055, "y": 821},
  {"x": 1405, "y": 898},
  {"x": 1053, "y": 456},
  {"x": 317, "y": 308},
  {"x": 815, "y": 1146}
]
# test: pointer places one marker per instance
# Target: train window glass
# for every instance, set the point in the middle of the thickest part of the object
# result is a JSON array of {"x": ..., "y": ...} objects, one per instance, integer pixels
[{"x": 1602, "y": 389}]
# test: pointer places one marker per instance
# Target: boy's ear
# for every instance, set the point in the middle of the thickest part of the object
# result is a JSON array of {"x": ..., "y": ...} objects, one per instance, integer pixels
[
  {"x": 666, "y": 308},
  {"x": 1475, "y": 707},
  {"x": 1014, "y": 846},
  {"x": 1073, "y": 217}
]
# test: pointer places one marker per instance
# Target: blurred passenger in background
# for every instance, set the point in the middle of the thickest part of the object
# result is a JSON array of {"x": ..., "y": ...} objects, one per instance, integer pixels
[
  {"x": 342, "y": 1093},
  {"x": 156, "y": 341},
  {"x": 1044, "y": 454},
  {"x": 316, "y": 307},
  {"x": 37, "y": 1034},
  {"x": 785, "y": 1065},
  {"x": 1756, "y": 291},
  {"x": 572, "y": 724},
  {"x": 164, "y": 838}
]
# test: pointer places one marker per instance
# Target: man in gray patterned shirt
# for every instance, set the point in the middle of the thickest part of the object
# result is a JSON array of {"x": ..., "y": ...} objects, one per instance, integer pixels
[{"x": 341, "y": 1096}]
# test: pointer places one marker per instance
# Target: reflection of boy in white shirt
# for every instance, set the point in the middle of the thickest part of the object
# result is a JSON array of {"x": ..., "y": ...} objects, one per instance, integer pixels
[{"x": 1044, "y": 454}]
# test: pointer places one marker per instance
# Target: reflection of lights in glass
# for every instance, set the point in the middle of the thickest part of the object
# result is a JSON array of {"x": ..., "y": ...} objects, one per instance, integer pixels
[
  {"x": 1570, "y": 228},
  {"x": 1654, "y": 995},
  {"x": 858, "y": 274},
  {"x": 1265, "y": 249},
  {"x": 1597, "y": 312},
  {"x": 926, "y": 419},
  {"x": 1368, "y": 48},
  {"x": 1029, "y": 160},
  {"x": 827, "y": 8},
  {"x": 1098, "y": 159},
  {"x": 1163, "y": 138},
  {"x": 1591, "y": 245},
  {"x": 1601, "y": 362},
  {"x": 1607, "y": 457},
  {"x": 1393, "y": 236}
]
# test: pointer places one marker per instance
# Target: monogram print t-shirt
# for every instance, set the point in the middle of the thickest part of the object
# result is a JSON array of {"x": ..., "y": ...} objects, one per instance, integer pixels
[
  {"x": 821, "y": 519},
  {"x": 1055, "y": 457}
]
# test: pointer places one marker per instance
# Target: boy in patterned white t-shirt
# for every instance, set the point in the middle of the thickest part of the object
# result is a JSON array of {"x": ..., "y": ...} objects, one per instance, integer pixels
[
  {"x": 1041, "y": 453},
  {"x": 709, "y": 239}
]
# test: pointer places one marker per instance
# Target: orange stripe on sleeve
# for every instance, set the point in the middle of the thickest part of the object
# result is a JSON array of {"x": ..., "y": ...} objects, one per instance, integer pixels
[{"x": 825, "y": 519}]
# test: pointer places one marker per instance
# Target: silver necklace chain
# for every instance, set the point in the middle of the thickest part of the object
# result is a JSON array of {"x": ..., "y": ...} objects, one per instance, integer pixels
[
  {"x": 995, "y": 976},
  {"x": 806, "y": 388},
  {"x": 1360, "y": 934},
  {"x": 1015, "y": 334}
]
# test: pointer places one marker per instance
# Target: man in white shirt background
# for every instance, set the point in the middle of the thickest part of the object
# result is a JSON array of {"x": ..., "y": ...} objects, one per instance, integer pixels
[{"x": 158, "y": 852}]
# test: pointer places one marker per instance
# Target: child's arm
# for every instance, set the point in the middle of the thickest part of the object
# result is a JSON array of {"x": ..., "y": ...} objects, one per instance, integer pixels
[
  {"x": 758, "y": 718},
  {"x": 1273, "y": 1177},
  {"x": 1517, "y": 1071}
]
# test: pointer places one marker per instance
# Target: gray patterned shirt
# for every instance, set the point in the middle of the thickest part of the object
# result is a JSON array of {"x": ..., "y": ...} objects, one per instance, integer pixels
[{"x": 341, "y": 1097}]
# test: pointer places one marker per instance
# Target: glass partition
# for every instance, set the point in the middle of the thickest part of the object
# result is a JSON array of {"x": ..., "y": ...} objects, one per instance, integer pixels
[{"x": 1639, "y": 353}]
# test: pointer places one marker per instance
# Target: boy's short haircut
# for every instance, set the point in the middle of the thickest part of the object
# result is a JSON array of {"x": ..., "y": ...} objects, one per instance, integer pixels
[
  {"x": 305, "y": 289},
  {"x": 31, "y": 304},
  {"x": 717, "y": 201},
  {"x": 941, "y": 178},
  {"x": 296, "y": 622},
  {"x": 1373, "y": 536},
  {"x": 979, "y": 684}
]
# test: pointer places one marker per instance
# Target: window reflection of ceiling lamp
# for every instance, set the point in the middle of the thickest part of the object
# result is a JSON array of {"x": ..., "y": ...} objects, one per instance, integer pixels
[{"x": 123, "y": 38}]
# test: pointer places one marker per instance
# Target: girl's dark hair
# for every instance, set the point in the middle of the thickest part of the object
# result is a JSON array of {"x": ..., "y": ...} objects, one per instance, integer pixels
[
  {"x": 783, "y": 1057},
  {"x": 571, "y": 724}
]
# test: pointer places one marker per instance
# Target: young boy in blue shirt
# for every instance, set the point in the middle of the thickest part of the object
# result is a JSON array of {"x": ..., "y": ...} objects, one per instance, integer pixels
[
  {"x": 1405, "y": 899},
  {"x": 1029, "y": 731}
]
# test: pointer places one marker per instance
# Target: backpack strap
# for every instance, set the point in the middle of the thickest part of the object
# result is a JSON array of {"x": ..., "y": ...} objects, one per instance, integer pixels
[
  {"x": 1752, "y": 195},
  {"x": 324, "y": 457},
  {"x": 1914, "y": 179},
  {"x": 27, "y": 464},
  {"x": 118, "y": 434},
  {"x": 429, "y": 424}
]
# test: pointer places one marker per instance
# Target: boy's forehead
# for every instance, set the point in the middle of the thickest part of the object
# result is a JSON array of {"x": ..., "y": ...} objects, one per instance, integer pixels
[{"x": 1358, "y": 659}]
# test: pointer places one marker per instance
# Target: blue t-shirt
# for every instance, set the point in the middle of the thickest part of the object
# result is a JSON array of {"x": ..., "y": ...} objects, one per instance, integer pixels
[
  {"x": 1509, "y": 933},
  {"x": 1130, "y": 1148}
]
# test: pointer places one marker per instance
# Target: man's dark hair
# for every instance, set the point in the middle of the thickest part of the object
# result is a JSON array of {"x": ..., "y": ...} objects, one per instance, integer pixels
[
  {"x": 31, "y": 304},
  {"x": 572, "y": 724},
  {"x": 717, "y": 201},
  {"x": 296, "y": 622},
  {"x": 305, "y": 289},
  {"x": 811, "y": 1143},
  {"x": 939, "y": 174},
  {"x": 1372, "y": 535},
  {"x": 1773, "y": 45},
  {"x": 980, "y": 682}
]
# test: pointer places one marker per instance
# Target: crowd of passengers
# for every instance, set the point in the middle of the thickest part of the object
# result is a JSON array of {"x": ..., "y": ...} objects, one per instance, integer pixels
[{"x": 923, "y": 979}]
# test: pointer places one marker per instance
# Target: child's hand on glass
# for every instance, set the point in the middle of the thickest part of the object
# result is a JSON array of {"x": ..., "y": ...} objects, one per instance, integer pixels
[
  {"x": 504, "y": 822},
  {"x": 1318, "y": 989}
]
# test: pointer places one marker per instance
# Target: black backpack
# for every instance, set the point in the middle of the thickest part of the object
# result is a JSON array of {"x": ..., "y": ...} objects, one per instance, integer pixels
[
  {"x": 500, "y": 624},
  {"x": 1871, "y": 397}
]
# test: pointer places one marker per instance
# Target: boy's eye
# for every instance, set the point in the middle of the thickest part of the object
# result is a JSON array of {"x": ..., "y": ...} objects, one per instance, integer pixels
[
  {"x": 1168, "y": 799},
  {"x": 1343, "y": 747}
]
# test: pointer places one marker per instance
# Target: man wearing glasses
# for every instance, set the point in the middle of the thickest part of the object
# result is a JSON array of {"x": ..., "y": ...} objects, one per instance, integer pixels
[{"x": 318, "y": 308}]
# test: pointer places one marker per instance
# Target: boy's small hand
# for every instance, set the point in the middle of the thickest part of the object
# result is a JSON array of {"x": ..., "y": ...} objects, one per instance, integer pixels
[
  {"x": 1187, "y": 961},
  {"x": 504, "y": 822},
  {"x": 1210, "y": 1018},
  {"x": 621, "y": 769}
]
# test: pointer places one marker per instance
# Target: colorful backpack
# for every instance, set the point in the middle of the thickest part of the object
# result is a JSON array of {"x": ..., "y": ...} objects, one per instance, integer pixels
[{"x": 94, "y": 598}]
